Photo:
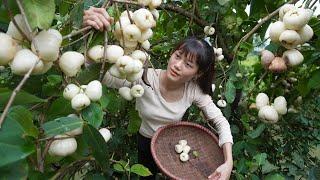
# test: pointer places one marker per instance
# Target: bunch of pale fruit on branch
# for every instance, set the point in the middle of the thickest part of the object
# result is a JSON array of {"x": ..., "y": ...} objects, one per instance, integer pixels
[{"x": 290, "y": 31}]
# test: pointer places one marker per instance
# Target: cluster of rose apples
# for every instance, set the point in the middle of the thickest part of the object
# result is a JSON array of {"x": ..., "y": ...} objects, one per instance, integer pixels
[
  {"x": 270, "y": 113},
  {"x": 129, "y": 93},
  {"x": 65, "y": 144},
  {"x": 44, "y": 49},
  {"x": 134, "y": 28},
  {"x": 82, "y": 96},
  {"x": 291, "y": 30}
]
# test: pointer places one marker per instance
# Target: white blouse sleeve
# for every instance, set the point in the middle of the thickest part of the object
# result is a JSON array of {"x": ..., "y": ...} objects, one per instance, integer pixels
[{"x": 214, "y": 114}]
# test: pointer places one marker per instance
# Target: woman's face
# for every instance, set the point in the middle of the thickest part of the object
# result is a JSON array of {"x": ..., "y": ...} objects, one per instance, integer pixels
[{"x": 181, "y": 68}]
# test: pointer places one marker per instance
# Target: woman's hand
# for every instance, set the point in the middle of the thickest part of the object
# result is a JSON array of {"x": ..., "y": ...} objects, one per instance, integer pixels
[
  {"x": 223, "y": 172},
  {"x": 97, "y": 18}
]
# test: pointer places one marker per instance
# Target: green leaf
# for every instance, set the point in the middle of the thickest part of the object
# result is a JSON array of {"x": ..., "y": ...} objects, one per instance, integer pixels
[
  {"x": 12, "y": 153},
  {"x": 17, "y": 170},
  {"x": 13, "y": 145},
  {"x": 121, "y": 166},
  {"x": 61, "y": 125},
  {"x": 223, "y": 2},
  {"x": 117, "y": 103},
  {"x": 39, "y": 13},
  {"x": 11, "y": 132},
  {"x": 260, "y": 159},
  {"x": 75, "y": 16},
  {"x": 140, "y": 170},
  {"x": 195, "y": 153},
  {"x": 60, "y": 107},
  {"x": 303, "y": 87},
  {"x": 104, "y": 100},
  {"x": 4, "y": 15},
  {"x": 89, "y": 74},
  {"x": 268, "y": 167},
  {"x": 238, "y": 147},
  {"x": 298, "y": 160},
  {"x": 241, "y": 165},
  {"x": 230, "y": 91},
  {"x": 97, "y": 145},
  {"x": 24, "y": 118},
  {"x": 22, "y": 98},
  {"x": 274, "y": 177},
  {"x": 95, "y": 3},
  {"x": 54, "y": 79},
  {"x": 314, "y": 80},
  {"x": 93, "y": 114},
  {"x": 134, "y": 121},
  {"x": 273, "y": 47},
  {"x": 118, "y": 167},
  {"x": 314, "y": 173},
  {"x": 257, "y": 132}
]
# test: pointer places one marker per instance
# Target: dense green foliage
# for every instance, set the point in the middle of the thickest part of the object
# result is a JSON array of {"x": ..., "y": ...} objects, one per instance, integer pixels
[{"x": 288, "y": 149}]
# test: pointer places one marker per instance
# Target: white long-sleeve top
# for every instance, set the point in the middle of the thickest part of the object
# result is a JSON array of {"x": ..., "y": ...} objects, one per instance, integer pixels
[{"x": 156, "y": 112}]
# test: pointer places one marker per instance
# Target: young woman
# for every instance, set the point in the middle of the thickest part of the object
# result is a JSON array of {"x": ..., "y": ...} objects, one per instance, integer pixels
[{"x": 186, "y": 81}]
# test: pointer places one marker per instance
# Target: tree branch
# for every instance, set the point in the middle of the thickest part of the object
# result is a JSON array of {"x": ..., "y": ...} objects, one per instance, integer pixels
[
  {"x": 105, "y": 5},
  {"x": 77, "y": 32},
  {"x": 254, "y": 29},
  {"x": 104, "y": 55},
  {"x": 5, "y": 2},
  {"x": 26, "y": 76},
  {"x": 185, "y": 13},
  {"x": 25, "y": 17}
]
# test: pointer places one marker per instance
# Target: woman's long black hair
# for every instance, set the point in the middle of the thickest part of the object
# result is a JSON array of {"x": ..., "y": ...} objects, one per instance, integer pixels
[{"x": 203, "y": 53}]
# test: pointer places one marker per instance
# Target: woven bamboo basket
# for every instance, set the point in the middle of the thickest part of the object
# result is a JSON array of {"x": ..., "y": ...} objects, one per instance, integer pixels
[{"x": 200, "y": 139}]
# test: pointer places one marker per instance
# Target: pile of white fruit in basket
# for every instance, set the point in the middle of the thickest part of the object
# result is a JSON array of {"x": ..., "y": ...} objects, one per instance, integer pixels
[
  {"x": 66, "y": 144},
  {"x": 291, "y": 30},
  {"x": 183, "y": 149},
  {"x": 82, "y": 96},
  {"x": 270, "y": 113}
]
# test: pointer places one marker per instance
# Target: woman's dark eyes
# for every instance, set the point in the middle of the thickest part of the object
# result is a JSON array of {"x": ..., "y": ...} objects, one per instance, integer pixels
[{"x": 178, "y": 56}]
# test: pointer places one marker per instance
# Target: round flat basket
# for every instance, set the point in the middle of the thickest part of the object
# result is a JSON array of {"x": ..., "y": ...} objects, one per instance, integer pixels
[{"x": 205, "y": 154}]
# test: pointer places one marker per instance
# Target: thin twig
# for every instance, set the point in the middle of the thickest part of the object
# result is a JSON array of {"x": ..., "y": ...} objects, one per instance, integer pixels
[
  {"x": 185, "y": 13},
  {"x": 26, "y": 76},
  {"x": 104, "y": 55},
  {"x": 5, "y": 2},
  {"x": 106, "y": 4},
  {"x": 24, "y": 17},
  {"x": 193, "y": 10},
  {"x": 62, "y": 172},
  {"x": 173, "y": 8},
  {"x": 73, "y": 42},
  {"x": 77, "y": 32},
  {"x": 38, "y": 147},
  {"x": 258, "y": 82},
  {"x": 87, "y": 28},
  {"x": 255, "y": 28},
  {"x": 44, "y": 152}
]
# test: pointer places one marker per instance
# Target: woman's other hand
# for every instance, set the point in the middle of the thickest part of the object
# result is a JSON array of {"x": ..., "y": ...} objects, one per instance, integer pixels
[
  {"x": 223, "y": 172},
  {"x": 98, "y": 18}
]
